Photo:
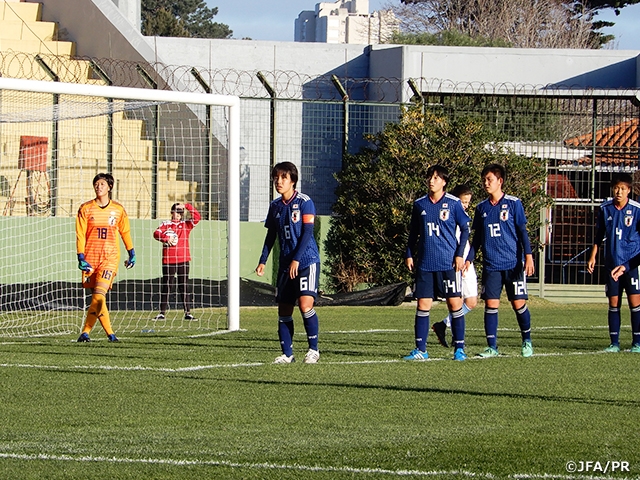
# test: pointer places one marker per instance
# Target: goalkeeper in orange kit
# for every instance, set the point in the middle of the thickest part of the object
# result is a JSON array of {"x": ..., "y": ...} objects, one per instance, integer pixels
[{"x": 98, "y": 224}]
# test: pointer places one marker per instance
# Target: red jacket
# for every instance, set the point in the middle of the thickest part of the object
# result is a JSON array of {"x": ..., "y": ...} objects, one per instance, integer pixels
[{"x": 178, "y": 253}]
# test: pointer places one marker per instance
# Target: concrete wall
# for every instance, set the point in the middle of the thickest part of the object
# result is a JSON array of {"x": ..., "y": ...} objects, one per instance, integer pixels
[
  {"x": 306, "y": 59},
  {"x": 558, "y": 68},
  {"x": 131, "y": 9},
  {"x": 99, "y": 29}
]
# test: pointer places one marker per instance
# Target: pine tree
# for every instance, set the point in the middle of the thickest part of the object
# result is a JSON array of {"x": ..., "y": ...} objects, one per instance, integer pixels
[{"x": 187, "y": 18}]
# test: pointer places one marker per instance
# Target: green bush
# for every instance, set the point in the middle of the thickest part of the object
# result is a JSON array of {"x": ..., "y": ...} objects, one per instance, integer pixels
[{"x": 368, "y": 232}]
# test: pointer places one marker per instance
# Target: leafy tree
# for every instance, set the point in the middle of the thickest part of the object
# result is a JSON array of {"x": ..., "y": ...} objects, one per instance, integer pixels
[
  {"x": 368, "y": 232},
  {"x": 447, "y": 38},
  {"x": 187, "y": 18}
]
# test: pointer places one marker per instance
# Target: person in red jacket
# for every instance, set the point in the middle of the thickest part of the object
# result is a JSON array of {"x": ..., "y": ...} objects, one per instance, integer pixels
[{"x": 174, "y": 235}]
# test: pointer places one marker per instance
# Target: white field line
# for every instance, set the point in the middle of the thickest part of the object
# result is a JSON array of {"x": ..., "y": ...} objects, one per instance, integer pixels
[
  {"x": 194, "y": 368},
  {"x": 294, "y": 467},
  {"x": 501, "y": 329}
]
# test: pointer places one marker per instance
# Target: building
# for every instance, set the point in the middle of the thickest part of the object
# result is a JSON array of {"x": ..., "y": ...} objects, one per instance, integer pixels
[{"x": 344, "y": 21}]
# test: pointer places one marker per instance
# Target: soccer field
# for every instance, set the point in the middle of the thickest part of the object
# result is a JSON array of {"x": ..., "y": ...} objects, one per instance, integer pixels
[{"x": 213, "y": 406}]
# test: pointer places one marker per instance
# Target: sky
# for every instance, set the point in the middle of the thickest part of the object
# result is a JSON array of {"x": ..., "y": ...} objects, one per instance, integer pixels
[{"x": 274, "y": 19}]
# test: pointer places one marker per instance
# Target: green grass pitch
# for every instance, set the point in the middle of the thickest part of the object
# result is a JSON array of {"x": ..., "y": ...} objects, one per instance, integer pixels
[{"x": 173, "y": 406}]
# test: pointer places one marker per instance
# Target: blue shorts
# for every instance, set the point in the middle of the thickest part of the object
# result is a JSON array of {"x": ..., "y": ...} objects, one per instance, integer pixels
[
  {"x": 306, "y": 283},
  {"x": 446, "y": 284},
  {"x": 629, "y": 282},
  {"x": 514, "y": 281}
]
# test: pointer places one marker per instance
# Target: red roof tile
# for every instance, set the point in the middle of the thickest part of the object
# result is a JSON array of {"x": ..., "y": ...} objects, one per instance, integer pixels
[{"x": 617, "y": 138}]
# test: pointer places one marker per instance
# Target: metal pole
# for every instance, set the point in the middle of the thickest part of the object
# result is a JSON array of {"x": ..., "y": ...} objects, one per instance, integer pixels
[
  {"x": 54, "y": 138},
  {"x": 345, "y": 114},
  {"x": 155, "y": 144},
  {"x": 272, "y": 127},
  {"x": 208, "y": 195},
  {"x": 105, "y": 78},
  {"x": 417, "y": 94}
]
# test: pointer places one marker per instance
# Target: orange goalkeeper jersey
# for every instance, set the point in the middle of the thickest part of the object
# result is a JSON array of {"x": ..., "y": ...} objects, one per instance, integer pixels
[{"x": 97, "y": 233}]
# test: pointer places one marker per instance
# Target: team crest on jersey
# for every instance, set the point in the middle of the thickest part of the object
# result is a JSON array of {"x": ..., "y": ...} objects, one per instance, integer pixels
[
  {"x": 444, "y": 215},
  {"x": 295, "y": 216},
  {"x": 504, "y": 215},
  {"x": 628, "y": 220},
  {"x": 112, "y": 219}
]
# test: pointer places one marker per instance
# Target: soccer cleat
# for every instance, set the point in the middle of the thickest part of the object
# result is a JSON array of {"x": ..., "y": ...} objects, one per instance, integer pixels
[
  {"x": 188, "y": 316},
  {"x": 284, "y": 359},
  {"x": 439, "y": 328},
  {"x": 160, "y": 316},
  {"x": 312, "y": 356},
  {"x": 84, "y": 338},
  {"x": 489, "y": 352},
  {"x": 613, "y": 348},
  {"x": 416, "y": 355},
  {"x": 635, "y": 348},
  {"x": 527, "y": 349},
  {"x": 459, "y": 355},
  {"x": 113, "y": 338}
]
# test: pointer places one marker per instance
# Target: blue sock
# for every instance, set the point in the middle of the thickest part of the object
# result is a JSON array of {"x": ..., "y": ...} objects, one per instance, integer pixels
[
  {"x": 421, "y": 328},
  {"x": 447, "y": 319},
  {"x": 457, "y": 328},
  {"x": 613, "y": 319},
  {"x": 635, "y": 325},
  {"x": 285, "y": 334},
  {"x": 310, "y": 319},
  {"x": 523, "y": 315},
  {"x": 491, "y": 326}
]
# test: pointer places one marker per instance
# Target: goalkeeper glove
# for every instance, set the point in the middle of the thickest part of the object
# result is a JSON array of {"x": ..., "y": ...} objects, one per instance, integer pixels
[
  {"x": 83, "y": 264},
  {"x": 132, "y": 259}
]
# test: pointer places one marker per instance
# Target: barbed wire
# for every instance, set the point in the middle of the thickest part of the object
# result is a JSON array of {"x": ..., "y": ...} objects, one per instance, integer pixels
[{"x": 279, "y": 84}]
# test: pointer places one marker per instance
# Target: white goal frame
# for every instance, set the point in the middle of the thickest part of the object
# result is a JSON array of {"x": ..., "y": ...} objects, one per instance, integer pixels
[{"x": 232, "y": 102}]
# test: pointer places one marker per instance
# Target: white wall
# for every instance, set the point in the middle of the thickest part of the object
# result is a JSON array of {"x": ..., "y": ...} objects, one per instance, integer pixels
[
  {"x": 131, "y": 9},
  {"x": 515, "y": 66}
]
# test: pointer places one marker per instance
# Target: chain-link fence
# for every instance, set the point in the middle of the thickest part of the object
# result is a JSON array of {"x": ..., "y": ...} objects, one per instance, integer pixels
[{"x": 583, "y": 135}]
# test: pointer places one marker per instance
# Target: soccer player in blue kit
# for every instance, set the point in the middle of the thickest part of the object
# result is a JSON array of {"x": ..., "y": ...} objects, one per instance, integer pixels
[
  {"x": 500, "y": 229},
  {"x": 619, "y": 223},
  {"x": 291, "y": 220},
  {"x": 436, "y": 255}
]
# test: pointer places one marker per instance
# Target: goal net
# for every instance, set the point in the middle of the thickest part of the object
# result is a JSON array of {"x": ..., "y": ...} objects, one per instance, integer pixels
[{"x": 162, "y": 148}]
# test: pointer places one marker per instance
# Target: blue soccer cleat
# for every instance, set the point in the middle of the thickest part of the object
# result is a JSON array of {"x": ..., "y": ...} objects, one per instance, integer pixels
[
  {"x": 84, "y": 338},
  {"x": 527, "y": 349},
  {"x": 613, "y": 348},
  {"x": 459, "y": 355},
  {"x": 635, "y": 348},
  {"x": 113, "y": 338},
  {"x": 417, "y": 355}
]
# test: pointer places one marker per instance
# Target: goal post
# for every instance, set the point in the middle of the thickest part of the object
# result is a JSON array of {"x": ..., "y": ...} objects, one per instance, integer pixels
[{"x": 162, "y": 147}]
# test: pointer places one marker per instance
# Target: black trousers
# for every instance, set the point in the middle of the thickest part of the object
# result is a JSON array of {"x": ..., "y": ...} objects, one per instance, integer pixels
[{"x": 169, "y": 273}]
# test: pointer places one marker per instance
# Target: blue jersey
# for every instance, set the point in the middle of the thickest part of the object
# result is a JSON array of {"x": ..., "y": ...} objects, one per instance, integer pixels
[
  {"x": 501, "y": 231},
  {"x": 621, "y": 228},
  {"x": 433, "y": 242},
  {"x": 287, "y": 220}
]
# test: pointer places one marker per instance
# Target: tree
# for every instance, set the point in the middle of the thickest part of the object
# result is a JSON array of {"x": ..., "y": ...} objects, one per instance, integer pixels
[
  {"x": 585, "y": 10},
  {"x": 187, "y": 18},
  {"x": 519, "y": 23},
  {"x": 368, "y": 232},
  {"x": 446, "y": 38}
]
